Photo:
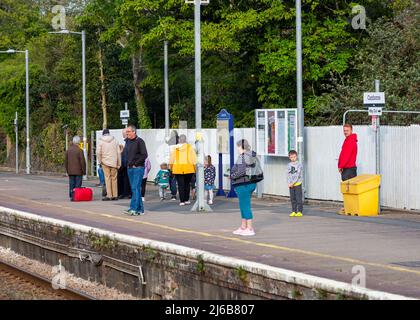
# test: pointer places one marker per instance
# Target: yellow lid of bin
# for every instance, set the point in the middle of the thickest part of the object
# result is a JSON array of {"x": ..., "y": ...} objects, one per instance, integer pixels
[{"x": 361, "y": 184}]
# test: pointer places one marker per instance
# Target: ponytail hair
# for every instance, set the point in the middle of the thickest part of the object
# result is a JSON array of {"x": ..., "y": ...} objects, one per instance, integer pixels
[{"x": 244, "y": 144}]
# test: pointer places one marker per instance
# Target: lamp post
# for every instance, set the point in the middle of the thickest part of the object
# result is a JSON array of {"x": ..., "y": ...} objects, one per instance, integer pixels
[
  {"x": 16, "y": 142},
  {"x": 200, "y": 204},
  {"x": 299, "y": 90},
  {"x": 28, "y": 147},
  {"x": 166, "y": 80},
  {"x": 83, "y": 34}
]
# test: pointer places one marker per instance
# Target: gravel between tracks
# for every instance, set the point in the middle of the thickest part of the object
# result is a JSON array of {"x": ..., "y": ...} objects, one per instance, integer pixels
[{"x": 93, "y": 289}]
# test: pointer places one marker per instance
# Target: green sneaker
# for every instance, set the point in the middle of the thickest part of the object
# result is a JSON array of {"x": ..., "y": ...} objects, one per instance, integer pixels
[
  {"x": 130, "y": 212},
  {"x": 292, "y": 214}
]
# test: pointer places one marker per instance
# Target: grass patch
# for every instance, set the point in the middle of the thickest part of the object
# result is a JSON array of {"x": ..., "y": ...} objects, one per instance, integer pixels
[
  {"x": 242, "y": 274},
  {"x": 101, "y": 242},
  {"x": 69, "y": 232},
  {"x": 321, "y": 294},
  {"x": 296, "y": 294},
  {"x": 201, "y": 268}
]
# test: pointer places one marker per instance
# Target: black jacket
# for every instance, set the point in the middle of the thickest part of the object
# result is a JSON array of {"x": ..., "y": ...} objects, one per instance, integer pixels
[{"x": 136, "y": 152}]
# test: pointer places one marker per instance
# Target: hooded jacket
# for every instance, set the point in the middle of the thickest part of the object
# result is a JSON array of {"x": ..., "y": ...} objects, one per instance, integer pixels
[
  {"x": 348, "y": 153},
  {"x": 183, "y": 159},
  {"x": 108, "y": 152}
]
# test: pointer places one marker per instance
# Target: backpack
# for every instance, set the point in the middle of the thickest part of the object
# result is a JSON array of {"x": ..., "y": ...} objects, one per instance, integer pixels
[{"x": 255, "y": 172}]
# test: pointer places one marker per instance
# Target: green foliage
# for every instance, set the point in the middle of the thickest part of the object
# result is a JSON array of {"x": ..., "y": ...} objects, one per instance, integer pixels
[
  {"x": 102, "y": 242},
  {"x": 389, "y": 53},
  {"x": 248, "y": 62},
  {"x": 321, "y": 294},
  {"x": 68, "y": 231},
  {"x": 242, "y": 274},
  {"x": 151, "y": 253},
  {"x": 201, "y": 268},
  {"x": 296, "y": 294}
]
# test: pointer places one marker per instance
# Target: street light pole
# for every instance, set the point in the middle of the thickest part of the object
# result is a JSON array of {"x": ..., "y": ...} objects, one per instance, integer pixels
[
  {"x": 200, "y": 204},
  {"x": 299, "y": 89},
  {"x": 84, "y": 97},
  {"x": 83, "y": 34},
  {"x": 17, "y": 142},
  {"x": 165, "y": 71},
  {"x": 28, "y": 147}
]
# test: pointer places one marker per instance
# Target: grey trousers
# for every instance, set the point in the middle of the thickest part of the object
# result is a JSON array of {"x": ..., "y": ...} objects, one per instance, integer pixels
[{"x": 296, "y": 197}]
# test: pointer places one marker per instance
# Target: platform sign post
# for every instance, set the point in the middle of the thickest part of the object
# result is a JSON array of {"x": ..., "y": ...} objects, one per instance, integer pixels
[
  {"x": 375, "y": 102},
  {"x": 225, "y": 145},
  {"x": 125, "y": 115},
  {"x": 222, "y": 137}
]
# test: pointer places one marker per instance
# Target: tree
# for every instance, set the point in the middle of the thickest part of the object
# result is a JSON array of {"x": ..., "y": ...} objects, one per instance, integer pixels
[{"x": 389, "y": 53}]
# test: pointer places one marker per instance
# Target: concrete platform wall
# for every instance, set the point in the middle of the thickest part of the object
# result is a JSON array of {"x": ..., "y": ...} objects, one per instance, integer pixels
[{"x": 157, "y": 270}]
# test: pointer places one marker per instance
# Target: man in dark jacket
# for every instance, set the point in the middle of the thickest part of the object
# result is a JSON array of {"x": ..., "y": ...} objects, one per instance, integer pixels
[
  {"x": 136, "y": 157},
  {"x": 75, "y": 165},
  {"x": 347, "y": 160},
  {"x": 124, "y": 188}
]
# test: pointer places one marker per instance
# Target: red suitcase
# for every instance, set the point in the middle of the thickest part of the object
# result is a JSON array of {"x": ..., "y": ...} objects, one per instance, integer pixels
[{"x": 82, "y": 194}]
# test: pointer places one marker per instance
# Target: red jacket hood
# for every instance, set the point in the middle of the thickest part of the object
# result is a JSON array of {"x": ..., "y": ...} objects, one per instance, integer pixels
[{"x": 352, "y": 138}]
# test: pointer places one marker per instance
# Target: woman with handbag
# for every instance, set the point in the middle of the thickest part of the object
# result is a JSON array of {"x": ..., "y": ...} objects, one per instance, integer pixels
[{"x": 245, "y": 174}]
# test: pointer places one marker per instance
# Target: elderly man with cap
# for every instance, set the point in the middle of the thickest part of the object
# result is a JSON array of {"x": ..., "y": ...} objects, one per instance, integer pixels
[{"x": 109, "y": 156}]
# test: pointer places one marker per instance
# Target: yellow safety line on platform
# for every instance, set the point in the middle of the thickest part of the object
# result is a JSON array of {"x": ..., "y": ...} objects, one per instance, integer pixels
[{"x": 206, "y": 234}]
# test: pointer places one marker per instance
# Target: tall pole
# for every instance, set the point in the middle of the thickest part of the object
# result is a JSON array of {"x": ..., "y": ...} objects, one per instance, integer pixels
[
  {"x": 300, "y": 111},
  {"x": 67, "y": 139},
  {"x": 165, "y": 71},
  {"x": 126, "y": 108},
  {"x": 28, "y": 148},
  {"x": 200, "y": 205},
  {"x": 377, "y": 149},
  {"x": 197, "y": 37},
  {"x": 378, "y": 145},
  {"x": 17, "y": 142},
  {"x": 84, "y": 98}
]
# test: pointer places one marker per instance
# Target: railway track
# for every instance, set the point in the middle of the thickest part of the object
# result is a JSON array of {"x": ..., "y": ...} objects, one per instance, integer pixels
[{"x": 19, "y": 284}]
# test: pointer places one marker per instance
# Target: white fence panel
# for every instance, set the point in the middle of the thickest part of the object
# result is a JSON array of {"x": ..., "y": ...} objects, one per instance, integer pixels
[{"x": 400, "y": 160}]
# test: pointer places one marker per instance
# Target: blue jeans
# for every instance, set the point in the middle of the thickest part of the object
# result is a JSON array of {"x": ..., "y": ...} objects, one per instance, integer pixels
[
  {"x": 244, "y": 193},
  {"x": 135, "y": 175},
  {"x": 172, "y": 183},
  {"x": 74, "y": 182},
  {"x": 101, "y": 176}
]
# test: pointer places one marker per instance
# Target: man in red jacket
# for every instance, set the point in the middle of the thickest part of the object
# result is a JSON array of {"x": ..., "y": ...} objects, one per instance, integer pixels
[{"x": 347, "y": 160}]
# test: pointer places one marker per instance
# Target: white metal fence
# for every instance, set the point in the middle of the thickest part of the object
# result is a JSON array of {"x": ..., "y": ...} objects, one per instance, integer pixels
[{"x": 400, "y": 161}]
